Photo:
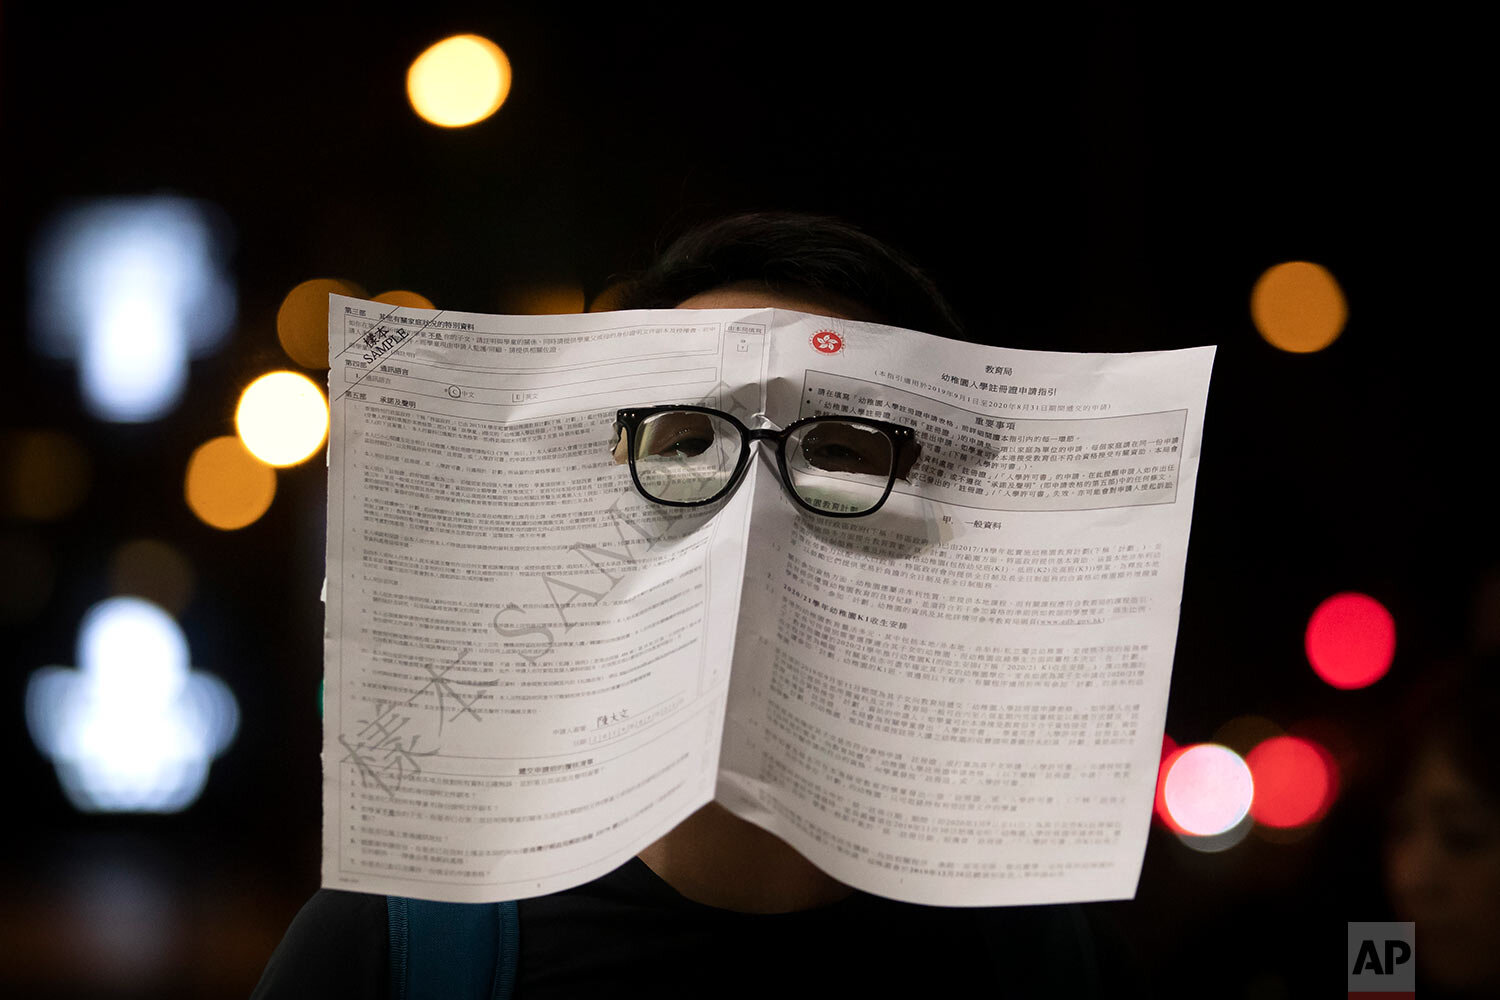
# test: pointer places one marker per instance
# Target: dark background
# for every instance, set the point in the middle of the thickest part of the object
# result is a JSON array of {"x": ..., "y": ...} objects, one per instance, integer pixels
[{"x": 1092, "y": 179}]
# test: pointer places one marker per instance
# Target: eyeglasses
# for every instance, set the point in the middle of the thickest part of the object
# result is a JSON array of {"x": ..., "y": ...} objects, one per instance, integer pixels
[{"x": 689, "y": 456}]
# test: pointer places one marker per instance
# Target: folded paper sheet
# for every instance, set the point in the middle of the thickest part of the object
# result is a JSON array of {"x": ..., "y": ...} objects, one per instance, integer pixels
[{"x": 533, "y": 672}]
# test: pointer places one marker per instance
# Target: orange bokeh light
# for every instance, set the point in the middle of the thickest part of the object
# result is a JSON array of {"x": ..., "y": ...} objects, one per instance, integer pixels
[
  {"x": 459, "y": 81},
  {"x": 1298, "y": 306},
  {"x": 405, "y": 299},
  {"x": 302, "y": 320},
  {"x": 226, "y": 486}
]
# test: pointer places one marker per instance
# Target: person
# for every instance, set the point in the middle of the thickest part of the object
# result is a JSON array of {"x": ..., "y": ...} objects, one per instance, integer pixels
[
  {"x": 1442, "y": 846},
  {"x": 718, "y": 906}
]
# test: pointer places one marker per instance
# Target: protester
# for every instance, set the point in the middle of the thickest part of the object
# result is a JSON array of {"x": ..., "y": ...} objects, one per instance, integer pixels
[{"x": 719, "y": 907}]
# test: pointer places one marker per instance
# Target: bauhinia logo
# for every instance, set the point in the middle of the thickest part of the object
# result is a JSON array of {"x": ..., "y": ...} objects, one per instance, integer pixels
[
  {"x": 827, "y": 342},
  {"x": 1382, "y": 960},
  {"x": 382, "y": 341}
]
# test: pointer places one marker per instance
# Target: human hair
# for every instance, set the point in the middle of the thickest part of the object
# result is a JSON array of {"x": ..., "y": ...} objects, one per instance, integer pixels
[{"x": 795, "y": 252}]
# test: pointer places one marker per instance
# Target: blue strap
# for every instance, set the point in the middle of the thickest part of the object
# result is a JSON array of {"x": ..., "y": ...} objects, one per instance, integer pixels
[
  {"x": 509, "y": 942},
  {"x": 450, "y": 951}
]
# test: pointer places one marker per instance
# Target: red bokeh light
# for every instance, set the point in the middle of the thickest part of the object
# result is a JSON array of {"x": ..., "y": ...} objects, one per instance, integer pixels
[
  {"x": 1351, "y": 640},
  {"x": 1170, "y": 751},
  {"x": 1295, "y": 782}
]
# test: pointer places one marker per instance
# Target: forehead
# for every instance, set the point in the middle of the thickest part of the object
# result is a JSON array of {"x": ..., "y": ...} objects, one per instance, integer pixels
[{"x": 755, "y": 295}]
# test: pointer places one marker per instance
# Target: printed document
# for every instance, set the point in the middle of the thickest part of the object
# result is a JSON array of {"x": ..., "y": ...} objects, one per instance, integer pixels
[{"x": 534, "y": 672}]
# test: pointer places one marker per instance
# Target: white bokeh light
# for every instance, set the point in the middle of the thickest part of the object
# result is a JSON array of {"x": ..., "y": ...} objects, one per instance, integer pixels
[
  {"x": 134, "y": 729},
  {"x": 1219, "y": 842},
  {"x": 133, "y": 365},
  {"x": 133, "y": 652},
  {"x": 1208, "y": 789},
  {"x": 282, "y": 418},
  {"x": 131, "y": 288}
]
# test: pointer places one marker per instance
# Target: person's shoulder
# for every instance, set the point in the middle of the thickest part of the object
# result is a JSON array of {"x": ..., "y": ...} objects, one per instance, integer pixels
[
  {"x": 1065, "y": 949},
  {"x": 1078, "y": 946},
  {"x": 337, "y": 945}
]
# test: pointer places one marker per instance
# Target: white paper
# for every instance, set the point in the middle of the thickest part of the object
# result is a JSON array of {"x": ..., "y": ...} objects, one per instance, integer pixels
[{"x": 957, "y": 700}]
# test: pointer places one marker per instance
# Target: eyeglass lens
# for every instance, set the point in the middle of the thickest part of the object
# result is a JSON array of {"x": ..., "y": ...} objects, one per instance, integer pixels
[
  {"x": 685, "y": 456},
  {"x": 838, "y": 466},
  {"x": 834, "y": 465}
]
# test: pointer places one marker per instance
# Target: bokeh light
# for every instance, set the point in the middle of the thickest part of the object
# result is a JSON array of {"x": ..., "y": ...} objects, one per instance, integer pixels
[
  {"x": 609, "y": 298},
  {"x": 1208, "y": 789},
  {"x": 1298, "y": 307},
  {"x": 124, "y": 922},
  {"x": 226, "y": 486},
  {"x": 459, "y": 81},
  {"x": 404, "y": 299},
  {"x": 1170, "y": 751},
  {"x": 1351, "y": 640},
  {"x": 154, "y": 570},
  {"x": 1244, "y": 733},
  {"x": 302, "y": 320},
  {"x": 134, "y": 728},
  {"x": 46, "y": 474},
  {"x": 282, "y": 417},
  {"x": 1216, "y": 842},
  {"x": 1295, "y": 781},
  {"x": 132, "y": 288},
  {"x": 549, "y": 296}
]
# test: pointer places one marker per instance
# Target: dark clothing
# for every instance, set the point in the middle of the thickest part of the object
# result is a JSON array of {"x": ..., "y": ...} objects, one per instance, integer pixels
[{"x": 631, "y": 934}]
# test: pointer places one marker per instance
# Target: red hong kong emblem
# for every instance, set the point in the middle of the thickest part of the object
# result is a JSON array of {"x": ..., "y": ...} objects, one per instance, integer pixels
[{"x": 827, "y": 342}]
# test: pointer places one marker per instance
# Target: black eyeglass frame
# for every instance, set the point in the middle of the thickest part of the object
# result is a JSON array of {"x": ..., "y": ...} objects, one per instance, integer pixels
[{"x": 905, "y": 450}]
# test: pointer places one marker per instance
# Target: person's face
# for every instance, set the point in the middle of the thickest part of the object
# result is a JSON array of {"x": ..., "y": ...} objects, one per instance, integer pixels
[{"x": 1442, "y": 868}]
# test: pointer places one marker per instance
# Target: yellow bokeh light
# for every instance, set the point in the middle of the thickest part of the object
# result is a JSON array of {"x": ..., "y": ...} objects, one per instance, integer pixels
[
  {"x": 1244, "y": 733},
  {"x": 543, "y": 297},
  {"x": 226, "y": 486},
  {"x": 282, "y": 418},
  {"x": 459, "y": 81},
  {"x": 406, "y": 300},
  {"x": 609, "y": 299},
  {"x": 302, "y": 320},
  {"x": 1298, "y": 307},
  {"x": 45, "y": 474},
  {"x": 153, "y": 569}
]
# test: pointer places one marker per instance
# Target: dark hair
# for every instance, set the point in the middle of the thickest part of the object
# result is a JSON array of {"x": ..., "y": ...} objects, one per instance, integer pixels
[{"x": 788, "y": 251}]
